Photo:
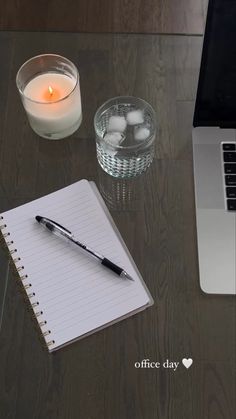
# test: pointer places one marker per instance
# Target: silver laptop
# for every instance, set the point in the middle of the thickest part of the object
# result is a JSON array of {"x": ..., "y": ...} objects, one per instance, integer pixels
[{"x": 214, "y": 151}]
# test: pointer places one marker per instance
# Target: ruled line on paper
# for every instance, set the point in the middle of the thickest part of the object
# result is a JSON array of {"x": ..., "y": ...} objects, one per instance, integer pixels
[
  {"x": 98, "y": 292},
  {"x": 69, "y": 250},
  {"x": 78, "y": 312},
  {"x": 80, "y": 225},
  {"x": 98, "y": 309},
  {"x": 61, "y": 248},
  {"x": 52, "y": 243},
  {"x": 44, "y": 238},
  {"x": 73, "y": 260},
  {"x": 69, "y": 215},
  {"x": 66, "y": 281},
  {"x": 92, "y": 315},
  {"x": 44, "y": 257},
  {"x": 97, "y": 306}
]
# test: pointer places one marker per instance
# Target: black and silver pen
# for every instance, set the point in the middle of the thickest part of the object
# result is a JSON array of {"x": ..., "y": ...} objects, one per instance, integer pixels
[{"x": 63, "y": 232}]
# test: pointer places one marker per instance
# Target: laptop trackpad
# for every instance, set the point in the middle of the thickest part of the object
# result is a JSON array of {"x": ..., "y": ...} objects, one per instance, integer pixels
[
  {"x": 216, "y": 247},
  {"x": 209, "y": 186}
]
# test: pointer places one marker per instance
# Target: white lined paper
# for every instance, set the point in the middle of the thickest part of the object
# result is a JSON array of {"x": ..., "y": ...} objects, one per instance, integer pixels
[{"x": 75, "y": 292}]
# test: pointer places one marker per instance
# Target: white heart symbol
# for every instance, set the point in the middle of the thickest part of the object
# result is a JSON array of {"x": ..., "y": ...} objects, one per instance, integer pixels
[{"x": 187, "y": 362}]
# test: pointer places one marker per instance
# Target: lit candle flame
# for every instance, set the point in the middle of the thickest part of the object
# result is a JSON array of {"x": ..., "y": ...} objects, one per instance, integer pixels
[
  {"x": 50, "y": 89},
  {"x": 51, "y": 94}
]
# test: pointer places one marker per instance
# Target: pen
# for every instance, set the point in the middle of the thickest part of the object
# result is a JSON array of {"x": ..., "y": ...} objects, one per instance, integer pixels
[{"x": 63, "y": 232}]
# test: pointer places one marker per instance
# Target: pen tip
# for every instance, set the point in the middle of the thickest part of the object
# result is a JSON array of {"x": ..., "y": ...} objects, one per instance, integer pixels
[
  {"x": 38, "y": 218},
  {"x": 127, "y": 276}
]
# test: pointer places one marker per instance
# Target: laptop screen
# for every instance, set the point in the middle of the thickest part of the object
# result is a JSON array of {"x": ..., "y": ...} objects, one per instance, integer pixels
[{"x": 216, "y": 95}]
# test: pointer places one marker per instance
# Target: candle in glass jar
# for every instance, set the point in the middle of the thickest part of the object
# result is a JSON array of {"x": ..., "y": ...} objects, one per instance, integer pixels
[
  {"x": 52, "y": 105},
  {"x": 50, "y": 92}
]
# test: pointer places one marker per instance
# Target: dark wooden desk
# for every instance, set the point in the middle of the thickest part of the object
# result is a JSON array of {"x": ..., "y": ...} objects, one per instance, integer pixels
[
  {"x": 95, "y": 378},
  {"x": 136, "y": 16}
]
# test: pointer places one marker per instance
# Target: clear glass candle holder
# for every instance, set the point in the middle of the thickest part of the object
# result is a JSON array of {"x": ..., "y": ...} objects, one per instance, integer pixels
[
  {"x": 125, "y": 130},
  {"x": 50, "y": 92}
]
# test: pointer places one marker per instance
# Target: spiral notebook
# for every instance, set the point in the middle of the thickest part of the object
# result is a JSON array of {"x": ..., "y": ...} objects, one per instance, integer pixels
[{"x": 71, "y": 293}]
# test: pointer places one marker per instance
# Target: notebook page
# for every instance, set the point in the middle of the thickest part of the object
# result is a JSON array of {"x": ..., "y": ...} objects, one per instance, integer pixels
[{"x": 76, "y": 294}]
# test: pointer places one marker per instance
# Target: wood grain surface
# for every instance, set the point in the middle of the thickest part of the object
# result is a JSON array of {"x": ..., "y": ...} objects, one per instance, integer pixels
[
  {"x": 146, "y": 16},
  {"x": 95, "y": 378}
]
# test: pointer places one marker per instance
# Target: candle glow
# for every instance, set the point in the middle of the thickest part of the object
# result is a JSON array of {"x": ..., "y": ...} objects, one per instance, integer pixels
[{"x": 52, "y": 94}]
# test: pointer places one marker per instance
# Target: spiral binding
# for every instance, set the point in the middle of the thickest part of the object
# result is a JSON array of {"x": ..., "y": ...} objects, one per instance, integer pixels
[
  {"x": 50, "y": 343},
  {"x": 27, "y": 285}
]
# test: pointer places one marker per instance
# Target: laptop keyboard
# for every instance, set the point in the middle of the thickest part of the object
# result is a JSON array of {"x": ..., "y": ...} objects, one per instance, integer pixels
[{"x": 229, "y": 162}]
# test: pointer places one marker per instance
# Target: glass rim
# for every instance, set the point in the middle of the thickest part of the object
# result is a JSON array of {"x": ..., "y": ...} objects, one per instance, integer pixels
[
  {"x": 140, "y": 143},
  {"x": 38, "y": 101}
]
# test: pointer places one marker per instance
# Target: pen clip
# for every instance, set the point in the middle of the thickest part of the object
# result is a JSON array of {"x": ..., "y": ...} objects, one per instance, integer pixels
[
  {"x": 54, "y": 226},
  {"x": 57, "y": 225}
]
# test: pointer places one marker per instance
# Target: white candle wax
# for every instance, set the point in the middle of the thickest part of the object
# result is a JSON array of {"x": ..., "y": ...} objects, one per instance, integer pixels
[{"x": 53, "y": 104}]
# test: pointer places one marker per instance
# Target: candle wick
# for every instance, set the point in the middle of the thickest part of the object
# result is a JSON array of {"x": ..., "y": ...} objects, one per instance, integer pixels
[{"x": 50, "y": 90}]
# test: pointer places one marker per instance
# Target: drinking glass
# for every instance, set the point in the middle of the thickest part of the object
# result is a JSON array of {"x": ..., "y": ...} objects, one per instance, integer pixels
[{"x": 125, "y": 130}]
